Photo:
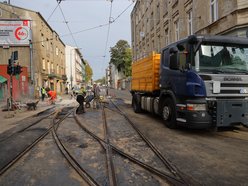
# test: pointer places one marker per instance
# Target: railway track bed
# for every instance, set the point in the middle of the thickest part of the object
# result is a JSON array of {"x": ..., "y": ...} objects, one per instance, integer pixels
[{"x": 100, "y": 147}]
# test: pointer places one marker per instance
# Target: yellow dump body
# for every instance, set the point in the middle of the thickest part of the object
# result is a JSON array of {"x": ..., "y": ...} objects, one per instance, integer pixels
[{"x": 145, "y": 73}]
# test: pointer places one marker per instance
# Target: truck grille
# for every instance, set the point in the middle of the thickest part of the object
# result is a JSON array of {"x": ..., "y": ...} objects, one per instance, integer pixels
[{"x": 228, "y": 89}]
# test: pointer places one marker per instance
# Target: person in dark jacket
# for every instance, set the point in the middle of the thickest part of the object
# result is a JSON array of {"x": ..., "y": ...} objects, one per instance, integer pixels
[{"x": 80, "y": 100}]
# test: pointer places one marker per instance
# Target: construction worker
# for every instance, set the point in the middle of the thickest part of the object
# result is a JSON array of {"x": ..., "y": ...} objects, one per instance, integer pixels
[
  {"x": 96, "y": 90},
  {"x": 80, "y": 99},
  {"x": 43, "y": 93},
  {"x": 52, "y": 94}
]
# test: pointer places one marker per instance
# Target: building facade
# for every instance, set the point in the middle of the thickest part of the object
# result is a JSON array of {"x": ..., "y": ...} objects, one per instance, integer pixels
[
  {"x": 75, "y": 67},
  {"x": 157, "y": 23},
  {"x": 43, "y": 53}
]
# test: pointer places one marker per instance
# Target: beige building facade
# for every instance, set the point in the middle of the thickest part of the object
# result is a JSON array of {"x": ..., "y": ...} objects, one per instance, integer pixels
[
  {"x": 75, "y": 68},
  {"x": 157, "y": 23},
  {"x": 44, "y": 55}
]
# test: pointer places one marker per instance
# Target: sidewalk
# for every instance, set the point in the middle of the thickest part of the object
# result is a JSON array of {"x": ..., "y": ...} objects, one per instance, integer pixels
[{"x": 8, "y": 119}]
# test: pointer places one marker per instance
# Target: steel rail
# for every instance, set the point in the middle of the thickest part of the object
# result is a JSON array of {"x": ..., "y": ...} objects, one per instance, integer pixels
[
  {"x": 71, "y": 160},
  {"x": 28, "y": 148},
  {"x": 27, "y": 127},
  {"x": 166, "y": 162},
  {"x": 173, "y": 180},
  {"x": 110, "y": 164}
]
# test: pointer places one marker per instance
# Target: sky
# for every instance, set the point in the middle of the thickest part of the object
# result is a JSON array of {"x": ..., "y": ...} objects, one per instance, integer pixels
[{"x": 81, "y": 15}]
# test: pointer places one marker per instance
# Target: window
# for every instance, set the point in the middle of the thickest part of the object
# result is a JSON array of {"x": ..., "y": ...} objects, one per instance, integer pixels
[
  {"x": 166, "y": 37},
  {"x": 47, "y": 45},
  {"x": 158, "y": 13},
  {"x": 57, "y": 69},
  {"x": 214, "y": 10},
  {"x": 166, "y": 6},
  {"x": 190, "y": 26},
  {"x": 147, "y": 4},
  {"x": 222, "y": 59},
  {"x": 48, "y": 67},
  {"x": 147, "y": 26},
  {"x": 152, "y": 21},
  {"x": 52, "y": 69},
  {"x": 43, "y": 64},
  {"x": 57, "y": 51},
  {"x": 176, "y": 30},
  {"x": 165, "y": 58},
  {"x": 159, "y": 44},
  {"x": 42, "y": 40}
]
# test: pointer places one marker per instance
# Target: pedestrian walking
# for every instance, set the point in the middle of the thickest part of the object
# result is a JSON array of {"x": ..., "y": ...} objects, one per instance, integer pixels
[
  {"x": 96, "y": 90},
  {"x": 43, "y": 93},
  {"x": 80, "y": 99}
]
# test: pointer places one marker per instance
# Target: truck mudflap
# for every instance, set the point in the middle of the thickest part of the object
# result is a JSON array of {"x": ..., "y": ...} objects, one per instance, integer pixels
[{"x": 231, "y": 112}]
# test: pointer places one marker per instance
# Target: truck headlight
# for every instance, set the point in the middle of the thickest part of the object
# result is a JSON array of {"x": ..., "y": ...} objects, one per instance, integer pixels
[{"x": 196, "y": 107}]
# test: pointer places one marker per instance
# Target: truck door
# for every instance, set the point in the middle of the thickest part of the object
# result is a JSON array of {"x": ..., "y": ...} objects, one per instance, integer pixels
[{"x": 173, "y": 75}]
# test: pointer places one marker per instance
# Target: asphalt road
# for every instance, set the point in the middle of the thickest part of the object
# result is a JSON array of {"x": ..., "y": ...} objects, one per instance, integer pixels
[
  {"x": 207, "y": 157},
  {"x": 210, "y": 158}
]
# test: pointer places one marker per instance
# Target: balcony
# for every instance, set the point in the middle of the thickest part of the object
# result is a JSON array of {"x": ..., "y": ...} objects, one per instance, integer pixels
[{"x": 52, "y": 75}]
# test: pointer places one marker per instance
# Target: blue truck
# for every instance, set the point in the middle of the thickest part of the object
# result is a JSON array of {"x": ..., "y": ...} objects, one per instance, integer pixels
[{"x": 202, "y": 82}]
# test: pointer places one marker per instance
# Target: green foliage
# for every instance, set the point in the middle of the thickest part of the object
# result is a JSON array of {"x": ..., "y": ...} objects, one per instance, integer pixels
[
  {"x": 101, "y": 81},
  {"x": 88, "y": 72},
  {"x": 121, "y": 57}
]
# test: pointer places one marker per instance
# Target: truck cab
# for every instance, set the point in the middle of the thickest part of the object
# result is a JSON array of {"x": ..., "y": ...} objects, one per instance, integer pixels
[{"x": 204, "y": 82}]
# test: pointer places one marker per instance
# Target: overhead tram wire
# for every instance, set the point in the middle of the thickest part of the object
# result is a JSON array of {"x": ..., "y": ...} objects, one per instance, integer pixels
[
  {"x": 53, "y": 11},
  {"x": 110, "y": 17},
  {"x": 123, "y": 12},
  {"x": 91, "y": 28},
  {"x": 87, "y": 29},
  {"x": 66, "y": 22}
]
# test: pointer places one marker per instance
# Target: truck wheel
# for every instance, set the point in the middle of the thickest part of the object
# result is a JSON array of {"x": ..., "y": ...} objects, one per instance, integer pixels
[
  {"x": 169, "y": 113},
  {"x": 136, "y": 106}
]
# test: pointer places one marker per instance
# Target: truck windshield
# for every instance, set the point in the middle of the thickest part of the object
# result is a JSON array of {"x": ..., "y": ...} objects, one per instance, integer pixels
[{"x": 221, "y": 59}]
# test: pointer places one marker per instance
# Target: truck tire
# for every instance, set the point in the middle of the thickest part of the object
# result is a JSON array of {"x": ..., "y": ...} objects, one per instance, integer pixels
[
  {"x": 169, "y": 113},
  {"x": 136, "y": 105}
]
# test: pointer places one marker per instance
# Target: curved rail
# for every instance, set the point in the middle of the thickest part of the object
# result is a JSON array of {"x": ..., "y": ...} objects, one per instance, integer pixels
[
  {"x": 172, "y": 179},
  {"x": 28, "y": 148},
  {"x": 72, "y": 161},
  {"x": 168, "y": 164},
  {"x": 32, "y": 124}
]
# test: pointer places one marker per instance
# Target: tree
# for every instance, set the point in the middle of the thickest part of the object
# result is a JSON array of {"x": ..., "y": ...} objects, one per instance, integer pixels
[
  {"x": 101, "y": 81},
  {"x": 88, "y": 72},
  {"x": 121, "y": 57}
]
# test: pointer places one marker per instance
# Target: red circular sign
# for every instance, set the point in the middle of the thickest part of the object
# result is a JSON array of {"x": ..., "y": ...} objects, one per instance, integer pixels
[{"x": 21, "y": 33}]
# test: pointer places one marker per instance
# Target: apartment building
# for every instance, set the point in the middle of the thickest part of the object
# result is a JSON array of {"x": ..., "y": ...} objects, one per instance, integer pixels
[
  {"x": 39, "y": 46},
  {"x": 75, "y": 67},
  {"x": 157, "y": 23}
]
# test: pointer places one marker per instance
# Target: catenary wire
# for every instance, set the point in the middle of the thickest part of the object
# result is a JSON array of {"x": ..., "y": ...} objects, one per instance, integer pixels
[
  {"x": 53, "y": 11},
  {"x": 66, "y": 22},
  {"x": 88, "y": 29}
]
